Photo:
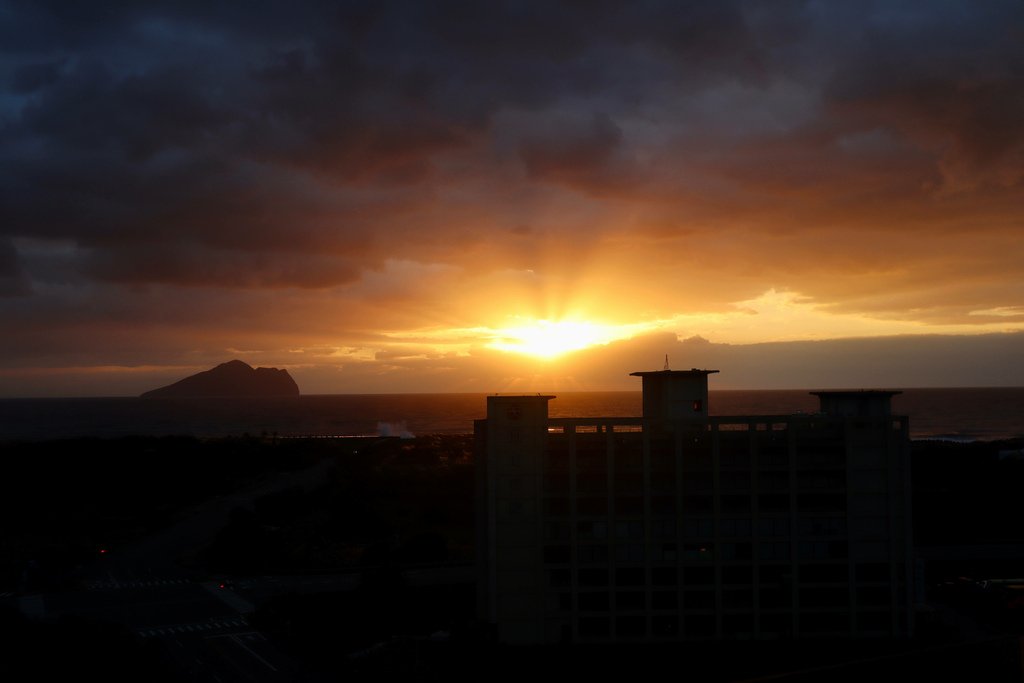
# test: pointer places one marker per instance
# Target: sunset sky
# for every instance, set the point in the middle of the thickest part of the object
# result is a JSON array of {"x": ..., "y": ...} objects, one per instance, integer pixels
[{"x": 497, "y": 196}]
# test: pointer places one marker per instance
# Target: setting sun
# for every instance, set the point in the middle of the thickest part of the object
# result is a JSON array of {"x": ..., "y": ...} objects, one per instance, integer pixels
[{"x": 546, "y": 339}]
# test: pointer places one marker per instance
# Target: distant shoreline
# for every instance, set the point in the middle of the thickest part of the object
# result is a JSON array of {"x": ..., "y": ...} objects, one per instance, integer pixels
[{"x": 979, "y": 414}]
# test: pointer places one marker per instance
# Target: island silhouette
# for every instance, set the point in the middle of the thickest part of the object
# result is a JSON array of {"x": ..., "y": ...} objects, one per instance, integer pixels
[{"x": 234, "y": 379}]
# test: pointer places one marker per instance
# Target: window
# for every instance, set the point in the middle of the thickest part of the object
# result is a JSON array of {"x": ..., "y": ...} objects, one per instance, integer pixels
[
  {"x": 824, "y": 597},
  {"x": 821, "y": 502},
  {"x": 664, "y": 552},
  {"x": 556, "y": 482},
  {"x": 873, "y": 596},
  {"x": 632, "y": 601},
  {"x": 815, "y": 479},
  {"x": 592, "y": 506},
  {"x": 663, "y": 505},
  {"x": 776, "y": 623},
  {"x": 591, "y": 460},
  {"x": 773, "y": 450},
  {"x": 773, "y": 527},
  {"x": 703, "y": 552},
  {"x": 738, "y": 574},
  {"x": 697, "y": 527},
  {"x": 556, "y": 531},
  {"x": 592, "y": 530},
  {"x": 633, "y": 505},
  {"x": 822, "y": 550},
  {"x": 698, "y": 576},
  {"x": 738, "y": 599},
  {"x": 556, "y": 507},
  {"x": 874, "y": 621},
  {"x": 774, "y": 551},
  {"x": 665, "y": 626},
  {"x": 664, "y": 576},
  {"x": 775, "y": 598},
  {"x": 773, "y": 503},
  {"x": 736, "y": 480},
  {"x": 629, "y": 576},
  {"x": 593, "y": 577},
  {"x": 629, "y": 482},
  {"x": 631, "y": 627},
  {"x": 877, "y": 527},
  {"x": 736, "y": 624},
  {"x": 664, "y": 461},
  {"x": 634, "y": 530},
  {"x": 824, "y": 573},
  {"x": 629, "y": 552},
  {"x": 595, "y": 483},
  {"x": 700, "y": 626},
  {"x": 736, "y": 504},
  {"x": 874, "y": 571},
  {"x": 664, "y": 600},
  {"x": 871, "y": 550},
  {"x": 823, "y": 526},
  {"x": 698, "y": 504},
  {"x": 663, "y": 483},
  {"x": 699, "y": 599},
  {"x": 593, "y": 602},
  {"x": 556, "y": 554},
  {"x": 868, "y": 480},
  {"x": 558, "y": 578},
  {"x": 663, "y": 528},
  {"x": 699, "y": 481},
  {"x": 593, "y": 554},
  {"x": 593, "y": 627},
  {"x": 735, "y": 452},
  {"x": 735, "y": 551},
  {"x": 823, "y": 622},
  {"x": 773, "y": 481},
  {"x": 775, "y": 573}
]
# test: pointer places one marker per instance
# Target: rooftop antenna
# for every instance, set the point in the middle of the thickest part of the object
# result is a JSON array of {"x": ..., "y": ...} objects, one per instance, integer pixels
[{"x": 666, "y": 362}]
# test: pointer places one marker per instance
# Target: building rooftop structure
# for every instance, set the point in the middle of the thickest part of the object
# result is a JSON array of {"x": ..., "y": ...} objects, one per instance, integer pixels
[{"x": 683, "y": 525}]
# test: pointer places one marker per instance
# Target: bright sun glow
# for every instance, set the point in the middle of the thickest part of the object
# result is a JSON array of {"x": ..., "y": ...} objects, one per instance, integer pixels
[{"x": 547, "y": 339}]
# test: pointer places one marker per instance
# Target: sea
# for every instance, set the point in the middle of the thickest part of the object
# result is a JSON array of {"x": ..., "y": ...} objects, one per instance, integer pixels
[{"x": 958, "y": 414}]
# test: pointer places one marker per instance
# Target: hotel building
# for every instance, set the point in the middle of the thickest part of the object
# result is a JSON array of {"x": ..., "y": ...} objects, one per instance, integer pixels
[{"x": 681, "y": 525}]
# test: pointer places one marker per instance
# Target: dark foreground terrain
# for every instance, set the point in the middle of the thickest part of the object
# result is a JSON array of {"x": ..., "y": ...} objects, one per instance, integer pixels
[{"x": 264, "y": 559}]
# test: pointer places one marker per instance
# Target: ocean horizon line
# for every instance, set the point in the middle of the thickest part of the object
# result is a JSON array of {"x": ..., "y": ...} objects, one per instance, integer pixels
[{"x": 893, "y": 387}]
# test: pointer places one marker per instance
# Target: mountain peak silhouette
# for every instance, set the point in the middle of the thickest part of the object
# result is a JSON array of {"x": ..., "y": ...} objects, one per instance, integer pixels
[{"x": 234, "y": 378}]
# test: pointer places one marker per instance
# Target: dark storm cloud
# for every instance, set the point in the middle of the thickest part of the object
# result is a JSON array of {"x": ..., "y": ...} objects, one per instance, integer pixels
[
  {"x": 580, "y": 154},
  {"x": 13, "y": 280},
  {"x": 951, "y": 81},
  {"x": 138, "y": 108},
  {"x": 219, "y": 268}
]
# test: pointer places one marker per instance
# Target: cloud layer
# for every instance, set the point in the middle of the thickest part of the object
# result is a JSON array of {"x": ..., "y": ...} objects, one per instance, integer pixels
[{"x": 179, "y": 180}]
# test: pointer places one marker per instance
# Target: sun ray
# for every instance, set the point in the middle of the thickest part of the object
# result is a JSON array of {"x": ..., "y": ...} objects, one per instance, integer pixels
[{"x": 546, "y": 339}]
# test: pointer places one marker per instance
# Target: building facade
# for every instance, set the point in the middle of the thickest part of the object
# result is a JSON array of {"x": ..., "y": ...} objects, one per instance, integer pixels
[{"x": 680, "y": 525}]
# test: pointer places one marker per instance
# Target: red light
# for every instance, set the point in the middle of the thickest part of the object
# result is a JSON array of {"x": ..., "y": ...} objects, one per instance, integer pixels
[
  {"x": 222, "y": 585},
  {"x": 103, "y": 551}
]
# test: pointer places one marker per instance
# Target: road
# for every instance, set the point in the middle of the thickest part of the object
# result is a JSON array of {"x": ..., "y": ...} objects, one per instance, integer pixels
[
  {"x": 202, "y": 625},
  {"x": 161, "y": 553},
  {"x": 203, "y": 628}
]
